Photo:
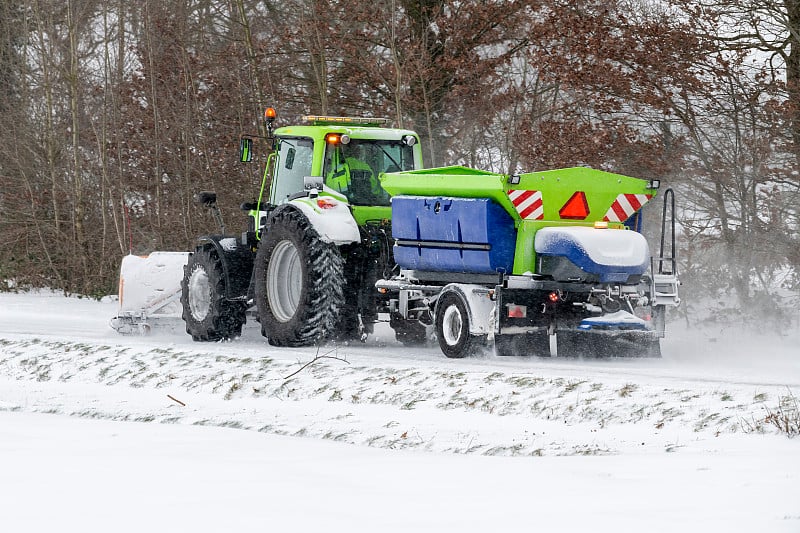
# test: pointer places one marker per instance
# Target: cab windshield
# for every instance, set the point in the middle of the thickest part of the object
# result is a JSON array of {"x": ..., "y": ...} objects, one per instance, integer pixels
[{"x": 353, "y": 168}]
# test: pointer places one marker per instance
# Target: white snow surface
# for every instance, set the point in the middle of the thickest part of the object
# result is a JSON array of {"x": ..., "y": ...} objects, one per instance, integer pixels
[{"x": 381, "y": 437}]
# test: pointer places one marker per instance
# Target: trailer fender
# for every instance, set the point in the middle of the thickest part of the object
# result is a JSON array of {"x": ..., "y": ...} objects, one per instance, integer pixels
[
  {"x": 480, "y": 307},
  {"x": 330, "y": 217}
]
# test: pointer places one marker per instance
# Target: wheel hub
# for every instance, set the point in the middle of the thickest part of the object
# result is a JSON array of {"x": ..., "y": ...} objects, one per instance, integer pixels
[
  {"x": 284, "y": 281},
  {"x": 199, "y": 294},
  {"x": 452, "y": 325}
]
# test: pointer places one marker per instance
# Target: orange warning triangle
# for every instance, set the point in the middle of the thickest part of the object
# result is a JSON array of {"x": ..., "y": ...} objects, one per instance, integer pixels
[{"x": 576, "y": 208}]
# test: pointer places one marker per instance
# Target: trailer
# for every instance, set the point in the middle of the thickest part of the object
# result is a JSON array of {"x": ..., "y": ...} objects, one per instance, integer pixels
[{"x": 543, "y": 263}]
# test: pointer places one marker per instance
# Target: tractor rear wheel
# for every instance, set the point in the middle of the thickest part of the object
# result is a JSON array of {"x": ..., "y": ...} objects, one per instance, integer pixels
[
  {"x": 208, "y": 314},
  {"x": 298, "y": 282}
]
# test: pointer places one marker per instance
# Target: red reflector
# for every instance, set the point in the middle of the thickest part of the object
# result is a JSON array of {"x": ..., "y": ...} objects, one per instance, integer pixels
[
  {"x": 576, "y": 208},
  {"x": 326, "y": 204},
  {"x": 517, "y": 311}
]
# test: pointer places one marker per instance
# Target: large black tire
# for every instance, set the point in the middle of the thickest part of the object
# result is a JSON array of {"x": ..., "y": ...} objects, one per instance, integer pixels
[
  {"x": 299, "y": 280},
  {"x": 208, "y": 315},
  {"x": 452, "y": 327},
  {"x": 524, "y": 344}
]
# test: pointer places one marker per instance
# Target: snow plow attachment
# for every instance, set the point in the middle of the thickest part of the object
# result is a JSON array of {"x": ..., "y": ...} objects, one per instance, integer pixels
[{"x": 149, "y": 292}]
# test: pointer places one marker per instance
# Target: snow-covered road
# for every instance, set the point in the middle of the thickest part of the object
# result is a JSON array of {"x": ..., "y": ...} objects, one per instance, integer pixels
[{"x": 382, "y": 436}]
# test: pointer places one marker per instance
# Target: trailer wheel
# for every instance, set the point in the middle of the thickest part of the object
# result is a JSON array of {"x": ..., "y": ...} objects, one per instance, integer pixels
[
  {"x": 298, "y": 282},
  {"x": 524, "y": 344},
  {"x": 452, "y": 327},
  {"x": 208, "y": 315}
]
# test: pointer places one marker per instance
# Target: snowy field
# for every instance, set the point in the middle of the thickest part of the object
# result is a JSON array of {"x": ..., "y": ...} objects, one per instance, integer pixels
[{"x": 100, "y": 432}]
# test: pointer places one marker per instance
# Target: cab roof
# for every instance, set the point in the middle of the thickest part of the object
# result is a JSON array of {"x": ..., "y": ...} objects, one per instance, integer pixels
[{"x": 318, "y": 132}]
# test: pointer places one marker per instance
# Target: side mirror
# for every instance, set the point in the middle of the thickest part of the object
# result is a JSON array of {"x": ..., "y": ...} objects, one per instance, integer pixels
[
  {"x": 312, "y": 182},
  {"x": 245, "y": 149}
]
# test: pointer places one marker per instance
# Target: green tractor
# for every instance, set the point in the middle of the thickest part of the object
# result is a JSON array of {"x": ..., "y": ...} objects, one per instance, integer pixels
[
  {"x": 318, "y": 238},
  {"x": 348, "y": 225}
]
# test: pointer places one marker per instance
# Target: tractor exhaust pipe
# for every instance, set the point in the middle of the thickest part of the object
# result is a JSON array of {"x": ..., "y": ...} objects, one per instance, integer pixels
[{"x": 208, "y": 199}]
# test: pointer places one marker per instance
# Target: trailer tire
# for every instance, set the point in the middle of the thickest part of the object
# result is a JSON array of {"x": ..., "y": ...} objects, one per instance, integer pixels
[
  {"x": 299, "y": 280},
  {"x": 452, "y": 327},
  {"x": 523, "y": 344},
  {"x": 208, "y": 314}
]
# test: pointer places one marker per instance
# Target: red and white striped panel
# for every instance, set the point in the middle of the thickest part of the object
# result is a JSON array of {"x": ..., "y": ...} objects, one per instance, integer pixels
[
  {"x": 528, "y": 203},
  {"x": 625, "y": 206}
]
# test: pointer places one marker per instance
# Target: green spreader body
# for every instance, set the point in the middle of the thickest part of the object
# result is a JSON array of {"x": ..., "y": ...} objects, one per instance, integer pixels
[{"x": 565, "y": 197}]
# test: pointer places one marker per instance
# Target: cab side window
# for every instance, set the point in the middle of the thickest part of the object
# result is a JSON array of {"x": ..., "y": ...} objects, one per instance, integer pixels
[{"x": 295, "y": 156}]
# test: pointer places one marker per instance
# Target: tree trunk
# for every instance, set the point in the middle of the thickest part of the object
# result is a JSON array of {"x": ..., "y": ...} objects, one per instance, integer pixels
[{"x": 793, "y": 70}]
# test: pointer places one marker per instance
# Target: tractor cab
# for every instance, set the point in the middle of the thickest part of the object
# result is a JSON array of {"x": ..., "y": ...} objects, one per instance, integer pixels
[
  {"x": 352, "y": 166},
  {"x": 347, "y": 155}
]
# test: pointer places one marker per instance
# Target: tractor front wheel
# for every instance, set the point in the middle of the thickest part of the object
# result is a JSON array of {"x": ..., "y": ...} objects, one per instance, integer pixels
[
  {"x": 208, "y": 314},
  {"x": 298, "y": 282}
]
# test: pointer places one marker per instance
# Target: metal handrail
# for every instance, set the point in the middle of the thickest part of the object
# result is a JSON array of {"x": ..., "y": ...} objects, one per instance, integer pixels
[{"x": 669, "y": 200}]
